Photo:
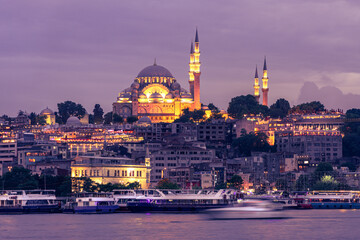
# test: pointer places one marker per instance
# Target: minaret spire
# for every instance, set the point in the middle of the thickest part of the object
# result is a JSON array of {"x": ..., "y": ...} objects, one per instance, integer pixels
[
  {"x": 154, "y": 61},
  {"x": 256, "y": 86},
  {"x": 196, "y": 36},
  {"x": 265, "y": 88}
]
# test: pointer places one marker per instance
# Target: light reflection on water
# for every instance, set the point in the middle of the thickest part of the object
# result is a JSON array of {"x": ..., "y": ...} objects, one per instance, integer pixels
[{"x": 304, "y": 224}]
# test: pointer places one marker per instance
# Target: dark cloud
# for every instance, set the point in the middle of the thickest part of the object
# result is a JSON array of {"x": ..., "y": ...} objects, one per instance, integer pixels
[
  {"x": 87, "y": 51},
  {"x": 331, "y": 97}
]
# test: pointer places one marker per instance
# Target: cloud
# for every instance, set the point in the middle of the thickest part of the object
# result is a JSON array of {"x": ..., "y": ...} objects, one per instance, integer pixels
[{"x": 332, "y": 97}]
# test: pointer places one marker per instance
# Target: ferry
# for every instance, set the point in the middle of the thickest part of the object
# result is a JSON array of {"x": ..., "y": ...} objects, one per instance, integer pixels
[
  {"x": 94, "y": 203},
  {"x": 331, "y": 200},
  {"x": 123, "y": 196},
  {"x": 248, "y": 209},
  {"x": 28, "y": 201},
  {"x": 182, "y": 200}
]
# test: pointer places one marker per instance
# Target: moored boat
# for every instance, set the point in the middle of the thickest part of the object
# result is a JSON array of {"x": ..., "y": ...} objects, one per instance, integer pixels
[
  {"x": 182, "y": 200},
  {"x": 28, "y": 201},
  {"x": 331, "y": 200},
  {"x": 94, "y": 203}
]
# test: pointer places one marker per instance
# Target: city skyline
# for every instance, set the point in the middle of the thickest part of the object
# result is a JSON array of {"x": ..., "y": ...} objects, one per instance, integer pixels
[{"x": 88, "y": 52}]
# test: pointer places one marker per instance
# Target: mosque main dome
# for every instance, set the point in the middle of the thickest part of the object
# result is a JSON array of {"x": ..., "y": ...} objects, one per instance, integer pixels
[{"x": 155, "y": 71}]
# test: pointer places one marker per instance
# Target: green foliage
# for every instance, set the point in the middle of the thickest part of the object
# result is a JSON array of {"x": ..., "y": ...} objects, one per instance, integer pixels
[
  {"x": 132, "y": 119},
  {"x": 303, "y": 183},
  {"x": 117, "y": 118},
  {"x": 351, "y": 145},
  {"x": 221, "y": 185},
  {"x": 351, "y": 129},
  {"x": 213, "y": 108},
  {"x": 353, "y": 113},
  {"x": 32, "y": 118},
  {"x": 252, "y": 142},
  {"x": 236, "y": 181},
  {"x": 19, "y": 178},
  {"x": 279, "y": 109},
  {"x": 321, "y": 170},
  {"x": 108, "y": 118},
  {"x": 307, "y": 108},
  {"x": 326, "y": 183},
  {"x": 241, "y": 105},
  {"x": 87, "y": 185},
  {"x": 69, "y": 108},
  {"x": 191, "y": 116},
  {"x": 166, "y": 184},
  {"x": 98, "y": 114},
  {"x": 41, "y": 120},
  {"x": 36, "y": 119},
  {"x": 61, "y": 184},
  {"x": 91, "y": 119}
]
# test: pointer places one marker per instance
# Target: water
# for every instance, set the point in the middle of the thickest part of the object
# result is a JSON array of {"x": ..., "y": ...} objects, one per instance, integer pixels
[{"x": 304, "y": 224}]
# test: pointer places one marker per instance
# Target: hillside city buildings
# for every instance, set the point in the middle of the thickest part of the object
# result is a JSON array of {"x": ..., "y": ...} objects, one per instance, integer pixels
[{"x": 193, "y": 155}]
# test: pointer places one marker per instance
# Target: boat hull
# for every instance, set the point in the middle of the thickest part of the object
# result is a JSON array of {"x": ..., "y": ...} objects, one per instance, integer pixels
[
  {"x": 148, "y": 207},
  {"x": 96, "y": 209}
]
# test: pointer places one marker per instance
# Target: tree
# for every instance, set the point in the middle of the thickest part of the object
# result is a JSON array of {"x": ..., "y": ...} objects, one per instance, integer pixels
[
  {"x": 108, "y": 118},
  {"x": 322, "y": 169},
  {"x": 307, "y": 108},
  {"x": 132, "y": 119},
  {"x": 241, "y": 105},
  {"x": 213, "y": 108},
  {"x": 69, "y": 108},
  {"x": 326, "y": 183},
  {"x": 252, "y": 142},
  {"x": 134, "y": 185},
  {"x": 192, "y": 116},
  {"x": 280, "y": 108},
  {"x": 236, "y": 181},
  {"x": 41, "y": 120},
  {"x": 98, "y": 114},
  {"x": 117, "y": 118},
  {"x": 19, "y": 178},
  {"x": 303, "y": 183},
  {"x": 166, "y": 184},
  {"x": 32, "y": 118}
]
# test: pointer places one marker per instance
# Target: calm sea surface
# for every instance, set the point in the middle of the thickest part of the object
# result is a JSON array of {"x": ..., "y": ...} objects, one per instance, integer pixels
[{"x": 304, "y": 224}]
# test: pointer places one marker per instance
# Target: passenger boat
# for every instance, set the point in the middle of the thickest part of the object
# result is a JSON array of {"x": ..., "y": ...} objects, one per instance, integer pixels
[
  {"x": 94, "y": 203},
  {"x": 28, "y": 201},
  {"x": 123, "y": 196},
  {"x": 331, "y": 200},
  {"x": 181, "y": 200},
  {"x": 248, "y": 209}
]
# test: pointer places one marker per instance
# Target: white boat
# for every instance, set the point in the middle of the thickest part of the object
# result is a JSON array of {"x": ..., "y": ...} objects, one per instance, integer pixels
[
  {"x": 28, "y": 201},
  {"x": 248, "y": 209},
  {"x": 95, "y": 203},
  {"x": 182, "y": 200}
]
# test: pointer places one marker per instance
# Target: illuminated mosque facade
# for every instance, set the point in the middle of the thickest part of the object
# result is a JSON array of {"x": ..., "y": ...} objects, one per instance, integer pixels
[{"x": 156, "y": 94}]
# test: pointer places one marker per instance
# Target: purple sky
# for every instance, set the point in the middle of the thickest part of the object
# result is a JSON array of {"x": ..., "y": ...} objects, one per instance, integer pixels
[{"x": 87, "y": 51}]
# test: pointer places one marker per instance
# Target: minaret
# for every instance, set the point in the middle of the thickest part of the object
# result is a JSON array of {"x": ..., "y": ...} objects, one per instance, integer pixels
[
  {"x": 265, "y": 88},
  {"x": 257, "y": 86},
  {"x": 192, "y": 68},
  {"x": 196, "y": 72}
]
